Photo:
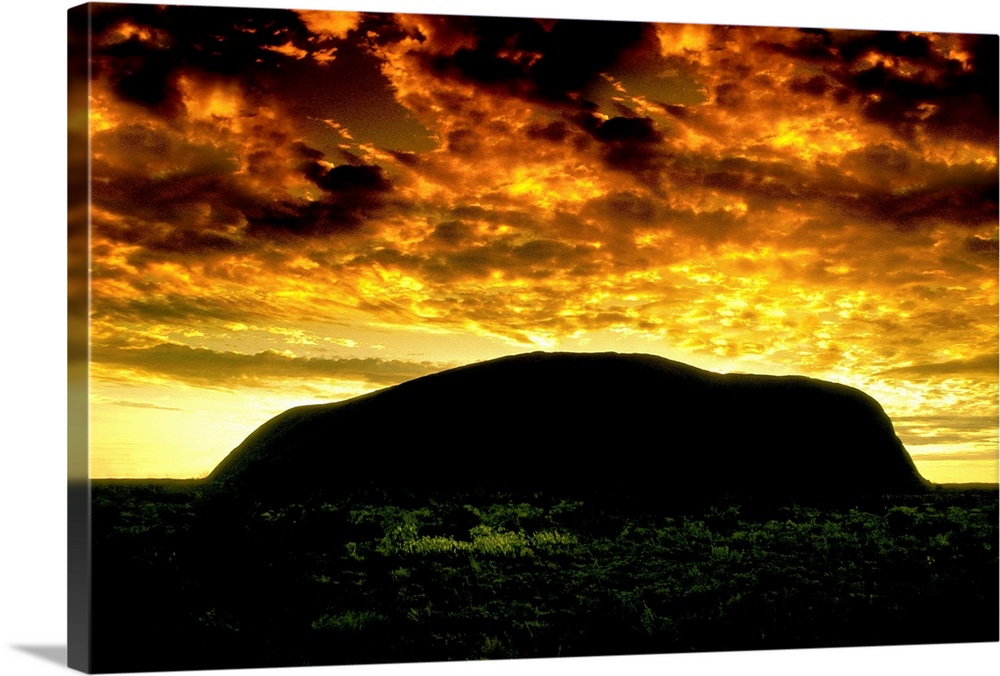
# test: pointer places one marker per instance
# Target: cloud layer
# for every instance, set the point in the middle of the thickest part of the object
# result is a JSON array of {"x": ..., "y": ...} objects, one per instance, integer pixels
[{"x": 352, "y": 184}]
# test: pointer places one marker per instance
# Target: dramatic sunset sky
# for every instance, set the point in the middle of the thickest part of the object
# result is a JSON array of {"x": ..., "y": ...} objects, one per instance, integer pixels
[{"x": 300, "y": 207}]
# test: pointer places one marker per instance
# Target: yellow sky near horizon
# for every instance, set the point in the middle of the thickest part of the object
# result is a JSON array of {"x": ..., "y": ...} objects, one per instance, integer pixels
[{"x": 292, "y": 208}]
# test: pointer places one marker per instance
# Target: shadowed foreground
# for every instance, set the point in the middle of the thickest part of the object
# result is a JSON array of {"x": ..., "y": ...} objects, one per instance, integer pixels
[
  {"x": 185, "y": 582},
  {"x": 545, "y": 506}
]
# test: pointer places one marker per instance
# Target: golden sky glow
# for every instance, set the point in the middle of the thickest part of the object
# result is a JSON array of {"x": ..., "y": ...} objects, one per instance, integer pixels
[{"x": 296, "y": 207}]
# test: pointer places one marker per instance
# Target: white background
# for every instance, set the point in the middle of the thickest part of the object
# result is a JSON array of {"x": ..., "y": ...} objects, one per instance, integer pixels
[{"x": 32, "y": 331}]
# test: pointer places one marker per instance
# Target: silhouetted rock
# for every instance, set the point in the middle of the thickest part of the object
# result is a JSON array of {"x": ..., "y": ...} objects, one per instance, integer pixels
[{"x": 632, "y": 425}]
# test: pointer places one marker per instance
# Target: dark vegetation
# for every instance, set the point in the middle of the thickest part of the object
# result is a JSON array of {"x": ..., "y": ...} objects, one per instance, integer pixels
[{"x": 185, "y": 577}]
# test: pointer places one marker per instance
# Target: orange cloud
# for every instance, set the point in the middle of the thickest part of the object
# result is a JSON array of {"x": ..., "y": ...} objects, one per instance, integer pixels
[{"x": 744, "y": 198}]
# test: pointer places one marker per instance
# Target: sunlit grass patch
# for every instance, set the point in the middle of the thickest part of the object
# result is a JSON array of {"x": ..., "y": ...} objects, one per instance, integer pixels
[{"x": 486, "y": 540}]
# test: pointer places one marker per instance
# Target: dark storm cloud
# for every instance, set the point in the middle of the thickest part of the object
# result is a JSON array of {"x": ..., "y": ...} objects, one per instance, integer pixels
[
  {"x": 205, "y": 367},
  {"x": 757, "y": 187},
  {"x": 861, "y": 187},
  {"x": 675, "y": 110},
  {"x": 764, "y": 184},
  {"x": 889, "y": 161},
  {"x": 556, "y": 131},
  {"x": 177, "y": 197},
  {"x": 305, "y": 152},
  {"x": 811, "y": 45},
  {"x": 630, "y": 144},
  {"x": 816, "y": 85},
  {"x": 332, "y": 215},
  {"x": 914, "y": 47},
  {"x": 352, "y": 194},
  {"x": 963, "y": 196},
  {"x": 175, "y": 215},
  {"x": 625, "y": 209},
  {"x": 904, "y": 82},
  {"x": 347, "y": 178},
  {"x": 553, "y": 63},
  {"x": 144, "y": 60},
  {"x": 633, "y": 130},
  {"x": 463, "y": 142},
  {"x": 986, "y": 247},
  {"x": 452, "y": 233},
  {"x": 730, "y": 95},
  {"x": 170, "y": 195},
  {"x": 577, "y": 51},
  {"x": 407, "y": 159}
]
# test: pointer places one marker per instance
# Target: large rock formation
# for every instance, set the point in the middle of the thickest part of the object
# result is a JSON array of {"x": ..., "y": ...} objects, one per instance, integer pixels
[{"x": 630, "y": 424}]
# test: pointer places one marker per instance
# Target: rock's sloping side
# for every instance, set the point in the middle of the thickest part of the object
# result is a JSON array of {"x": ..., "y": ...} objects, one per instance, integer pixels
[{"x": 636, "y": 424}]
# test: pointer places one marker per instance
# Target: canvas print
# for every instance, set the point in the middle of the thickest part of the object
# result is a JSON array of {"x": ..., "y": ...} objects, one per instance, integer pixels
[{"x": 404, "y": 337}]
